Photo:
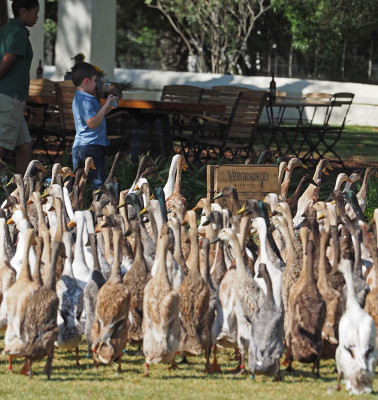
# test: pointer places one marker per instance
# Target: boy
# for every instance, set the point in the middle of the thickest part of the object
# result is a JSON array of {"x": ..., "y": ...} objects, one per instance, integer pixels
[{"x": 90, "y": 139}]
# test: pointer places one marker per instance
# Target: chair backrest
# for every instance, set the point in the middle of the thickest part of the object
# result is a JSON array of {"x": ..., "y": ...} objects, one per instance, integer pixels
[
  {"x": 41, "y": 115},
  {"x": 246, "y": 113},
  {"x": 65, "y": 92},
  {"x": 321, "y": 98},
  {"x": 341, "y": 103},
  {"x": 225, "y": 95},
  {"x": 181, "y": 93}
]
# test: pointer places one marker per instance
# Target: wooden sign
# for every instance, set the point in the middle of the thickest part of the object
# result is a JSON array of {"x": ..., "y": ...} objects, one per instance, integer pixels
[{"x": 250, "y": 181}]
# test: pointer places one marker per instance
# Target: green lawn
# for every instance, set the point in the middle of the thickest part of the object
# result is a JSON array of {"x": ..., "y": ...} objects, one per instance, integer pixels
[
  {"x": 189, "y": 382},
  {"x": 356, "y": 144}
]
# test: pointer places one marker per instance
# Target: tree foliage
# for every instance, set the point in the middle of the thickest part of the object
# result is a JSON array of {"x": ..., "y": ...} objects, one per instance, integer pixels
[{"x": 215, "y": 32}]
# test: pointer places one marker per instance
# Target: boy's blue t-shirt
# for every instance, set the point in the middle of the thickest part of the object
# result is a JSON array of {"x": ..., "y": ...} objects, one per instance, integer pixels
[{"x": 84, "y": 107}]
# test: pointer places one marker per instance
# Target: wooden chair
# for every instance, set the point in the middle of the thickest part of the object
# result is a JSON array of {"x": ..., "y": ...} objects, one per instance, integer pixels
[
  {"x": 236, "y": 133},
  {"x": 181, "y": 124},
  {"x": 65, "y": 92},
  {"x": 321, "y": 98}
]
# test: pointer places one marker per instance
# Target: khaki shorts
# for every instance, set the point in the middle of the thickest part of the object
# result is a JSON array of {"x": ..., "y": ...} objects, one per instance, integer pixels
[{"x": 13, "y": 128}]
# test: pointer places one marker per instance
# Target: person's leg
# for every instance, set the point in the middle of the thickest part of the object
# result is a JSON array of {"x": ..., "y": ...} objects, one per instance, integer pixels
[
  {"x": 24, "y": 154},
  {"x": 98, "y": 175}
]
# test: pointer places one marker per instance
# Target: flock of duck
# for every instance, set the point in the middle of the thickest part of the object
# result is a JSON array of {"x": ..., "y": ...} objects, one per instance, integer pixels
[{"x": 288, "y": 276}]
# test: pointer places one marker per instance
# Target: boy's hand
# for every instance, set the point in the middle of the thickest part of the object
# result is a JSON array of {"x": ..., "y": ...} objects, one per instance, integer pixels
[{"x": 112, "y": 101}]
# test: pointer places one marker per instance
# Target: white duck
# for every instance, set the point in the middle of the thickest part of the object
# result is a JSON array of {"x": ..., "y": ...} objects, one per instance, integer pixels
[
  {"x": 19, "y": 219},
  {"x": 274, "y": 273},
  {"x": 356, "y": 355},
  {"x": 70, "y": 296},
  {"x": 80, "y": 268}
]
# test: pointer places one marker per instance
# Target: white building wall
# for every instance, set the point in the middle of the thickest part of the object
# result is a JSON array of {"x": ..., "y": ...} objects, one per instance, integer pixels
[{"x": 88, "y": 27}]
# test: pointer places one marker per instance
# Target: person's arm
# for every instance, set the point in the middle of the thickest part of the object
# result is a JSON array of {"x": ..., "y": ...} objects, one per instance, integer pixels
[
  {"x": 6, "y": 63},
  {"x": 95, "y": 121}
]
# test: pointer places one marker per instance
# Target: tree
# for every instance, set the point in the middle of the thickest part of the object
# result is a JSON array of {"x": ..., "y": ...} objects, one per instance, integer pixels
[
  {"x": 215, "y": 32},
  {"x": 325, "y": 26}
]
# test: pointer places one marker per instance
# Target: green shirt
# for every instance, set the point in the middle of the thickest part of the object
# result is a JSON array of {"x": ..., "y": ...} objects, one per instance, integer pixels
[{"x": 14, "y": 39}]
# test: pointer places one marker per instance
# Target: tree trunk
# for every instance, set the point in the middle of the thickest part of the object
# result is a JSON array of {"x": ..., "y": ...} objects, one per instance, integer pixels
[
  {"x": 343, "y": 57},
  {"x": 370, "y": 67},
  {"x": 290, "y": 69},
  {"x": 3, "y": 12}
]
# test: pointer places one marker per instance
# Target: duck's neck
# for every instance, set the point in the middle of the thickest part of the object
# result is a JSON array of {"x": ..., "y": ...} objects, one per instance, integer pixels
[
  {"x": 351, "y": 294},
  {"x": 25, "y": 273},
  {"x": 51, "y": 279},
  {"x": 79, "y": 251},
  {"x": 59, "y": 219},
  {"x": 336, "y": 246},
  {"x": 357, "y": 266},
  {"x": 193, "y": 259},
  {"x": 3, "y": 251},
  {"x": 161, "y": 255},
  {"x": 68, "y": 261},
  {"x": 322, "y": 278},
  {"x": 116, "y": 267},
  {"x": 37, "y": 278},
  {"x": 240, "y": 265},
  {"x": 93, "y": 243},
  {"x": 364, "y": 187}
]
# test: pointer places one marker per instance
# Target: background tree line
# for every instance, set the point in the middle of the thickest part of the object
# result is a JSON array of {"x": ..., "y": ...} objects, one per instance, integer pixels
[{"x": 318, "y": 39}]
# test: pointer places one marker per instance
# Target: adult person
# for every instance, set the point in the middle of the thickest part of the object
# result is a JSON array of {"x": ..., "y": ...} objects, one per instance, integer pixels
[{"x": 16, "y": 55}]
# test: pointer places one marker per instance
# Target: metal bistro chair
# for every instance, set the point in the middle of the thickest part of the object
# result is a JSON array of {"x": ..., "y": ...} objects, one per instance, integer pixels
[{"x": 333, "y": 129}]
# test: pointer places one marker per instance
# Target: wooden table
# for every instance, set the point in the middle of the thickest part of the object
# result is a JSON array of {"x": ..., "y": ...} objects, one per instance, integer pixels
[{"x": 147, "y": 126}]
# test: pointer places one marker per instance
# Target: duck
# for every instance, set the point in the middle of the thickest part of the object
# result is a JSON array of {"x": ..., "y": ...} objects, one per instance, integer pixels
[
  {"x": 311, "y": 194},
  {"x": 168, "y": 187},
  {"x": 161, "y": 324},
  {"x": 292, "y": 270},
  {"x": 356, "y": 354},
  {"x": 230, "y": 193},
  {"x": 91, "y": 289},
  {"x": 7, "y": 275},
  {"x": 305, "y": 181},
  {"x": 341, "y": 178},
  {"x": 304, "y": 337},
  {"x": 17, "y": 301},
  {"x": 284, "y": 187},
  {"x": 194, "y": 302},
  {"x": 110, "y": 326},
  {"x": 267, "y": 334},
  {"x": 248, "y": 295},
  {"x": 40, "y": 327},
  {"x": 70, "y": 296},
  {"x": 332, "y": 302},
  {"x": 80, "y": 268},
  {"x": 176, "y": 196},
  {"x": 275, "y": 273},
  {"x": 362, "y": 194},
  {"x": 136, "y": 280}
]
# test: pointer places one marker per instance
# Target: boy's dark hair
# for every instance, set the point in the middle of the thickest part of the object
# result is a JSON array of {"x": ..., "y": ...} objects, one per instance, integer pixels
[
  {"x": 82, "y": 70},
  {"x": 28, "y": 4}
]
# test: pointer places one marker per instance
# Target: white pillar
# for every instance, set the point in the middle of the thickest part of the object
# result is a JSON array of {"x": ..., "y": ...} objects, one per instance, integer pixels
[
  {"x": 88, "y": 27},
  {"x": 36, "y": 37}
]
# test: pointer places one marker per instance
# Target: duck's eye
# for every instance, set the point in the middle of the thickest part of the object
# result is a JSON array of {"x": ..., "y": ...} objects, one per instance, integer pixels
[
  {"x": 368, "y": 351},
  {"x": 350, "y": 351}
]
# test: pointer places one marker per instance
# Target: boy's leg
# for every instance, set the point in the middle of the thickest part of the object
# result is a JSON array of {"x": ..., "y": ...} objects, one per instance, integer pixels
[
  {"x": 79, "y": 155},
  {"x": 97, "y": 176}
]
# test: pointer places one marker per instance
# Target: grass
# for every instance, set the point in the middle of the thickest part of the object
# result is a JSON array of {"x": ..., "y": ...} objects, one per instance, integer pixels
[{"x": 188, "y": 382}]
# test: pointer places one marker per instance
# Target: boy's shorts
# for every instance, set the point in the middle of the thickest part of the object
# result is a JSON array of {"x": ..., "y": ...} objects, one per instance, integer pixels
[{"x": 13, "y": 129}]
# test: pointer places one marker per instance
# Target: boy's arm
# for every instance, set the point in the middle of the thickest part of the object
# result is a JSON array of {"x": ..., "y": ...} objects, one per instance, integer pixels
[
  {"x": 6, "y": 63},
  {"x": 95, "y": 121}
]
